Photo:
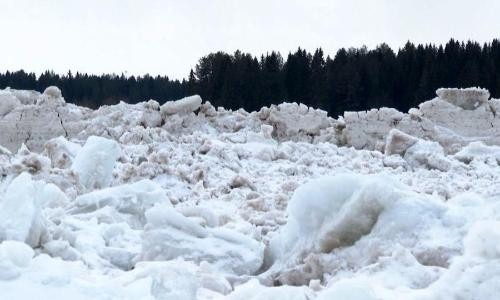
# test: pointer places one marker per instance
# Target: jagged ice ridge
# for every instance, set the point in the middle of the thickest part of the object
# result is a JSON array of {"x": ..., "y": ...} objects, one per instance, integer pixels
[{"x": 188, "y": 201}]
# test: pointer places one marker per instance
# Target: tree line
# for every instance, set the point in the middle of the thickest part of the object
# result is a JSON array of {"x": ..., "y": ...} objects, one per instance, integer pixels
[{"x": 353, "y": 79}]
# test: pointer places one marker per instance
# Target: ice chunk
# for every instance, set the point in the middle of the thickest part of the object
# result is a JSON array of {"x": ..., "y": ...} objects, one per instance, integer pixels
[
  {"x": 427, "y": 154},
  {"x": 61, "y": 152},
  {"x": 182, "y": 106},
  {"x": 20, "y": 213},
  {"x": 95, "y": 162},
  {"x": 253, "y": 290},
  {"x": 8, "y": 103},
  {"x": 291, "y": 119},
  {"x": 14, "y": 257},
  {"x": 479, "y": 151},
  {"x": 398, "y": 142},
  {"x": 178, "y": 279},
  {"x": 51, "y": 196},
  {"x": 320, "y": 218},
  {"x": 337, "y": 217},
  {"x": 332, "y": 212},
  {"x": 476, "y": 274},
  {"x": 51, "y": 96},
  {"x": 26, "y": 97},
  {"x": 204, "y": 214},
  {"x": 26, "y": 161},
  {"x": 350, "y": 289},
  {"x": 169, "y": 235},
  {"x": 151, "y": 116},
  {"x": 241, "y": 181},
  {"x": 468, "y": 99},
  {"x": 483, "y": 240},
  {"x": 132, "y": 199},
  {"x": 53, "y": 91},
  {"x": 61, "y": 248}
]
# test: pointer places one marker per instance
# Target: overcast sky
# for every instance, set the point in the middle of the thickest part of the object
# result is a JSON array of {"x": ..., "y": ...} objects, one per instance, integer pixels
[{"x": 168, "y": 37}]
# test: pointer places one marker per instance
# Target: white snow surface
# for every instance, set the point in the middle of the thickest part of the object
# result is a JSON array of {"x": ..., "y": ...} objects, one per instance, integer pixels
[{"x": 186, "y": 201}]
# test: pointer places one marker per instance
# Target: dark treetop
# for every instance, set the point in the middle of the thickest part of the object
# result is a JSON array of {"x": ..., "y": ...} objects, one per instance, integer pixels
[{"x": 354, "y": 79}]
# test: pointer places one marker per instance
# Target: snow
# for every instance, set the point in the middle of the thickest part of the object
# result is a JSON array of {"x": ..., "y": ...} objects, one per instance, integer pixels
[{"x": 189, "y": 201}]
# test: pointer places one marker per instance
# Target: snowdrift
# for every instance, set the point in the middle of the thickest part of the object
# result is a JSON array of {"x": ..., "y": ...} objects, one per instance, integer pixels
[{"x": 186, "y": 201}]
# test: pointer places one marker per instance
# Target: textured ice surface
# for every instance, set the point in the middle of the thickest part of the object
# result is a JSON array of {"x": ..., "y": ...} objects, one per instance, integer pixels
[{"x": 186, "y": 201}]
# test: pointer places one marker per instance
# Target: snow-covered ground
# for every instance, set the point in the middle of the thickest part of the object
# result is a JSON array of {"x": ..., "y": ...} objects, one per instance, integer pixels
[{"x": 186, "y": 201}]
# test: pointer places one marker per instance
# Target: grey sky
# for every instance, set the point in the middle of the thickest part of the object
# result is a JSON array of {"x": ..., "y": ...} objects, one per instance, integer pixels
[{"x": 168, "y": 37}]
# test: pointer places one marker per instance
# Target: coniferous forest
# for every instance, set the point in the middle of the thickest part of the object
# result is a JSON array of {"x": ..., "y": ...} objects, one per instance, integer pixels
[{"x": 352, "y": 79}]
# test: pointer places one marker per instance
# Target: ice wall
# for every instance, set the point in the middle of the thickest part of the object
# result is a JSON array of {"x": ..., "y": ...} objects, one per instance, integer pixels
[{"x": 454, "y": 118}]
